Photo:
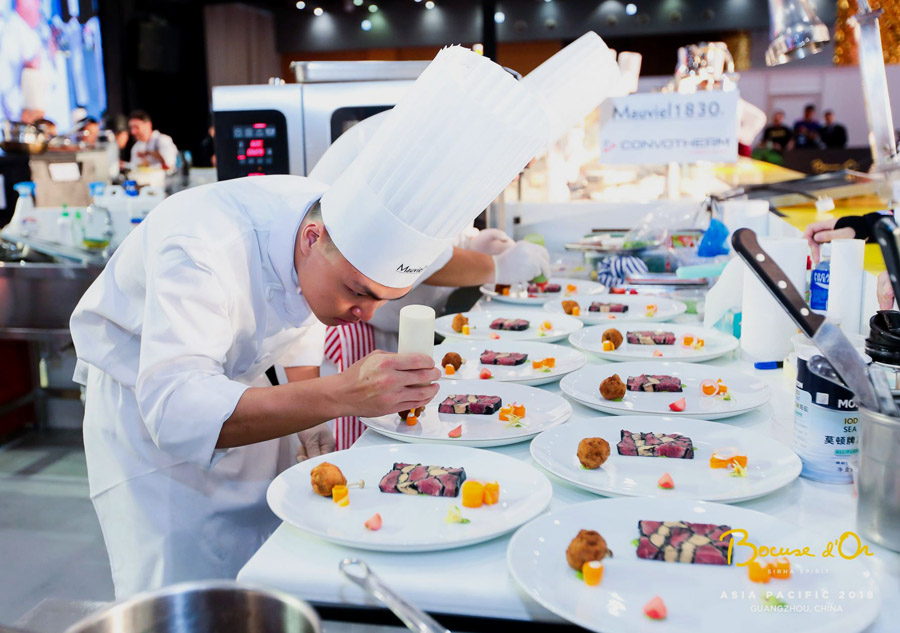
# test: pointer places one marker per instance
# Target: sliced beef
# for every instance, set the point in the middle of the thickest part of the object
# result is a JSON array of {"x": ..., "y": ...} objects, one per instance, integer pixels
[
  {"x": 650, "y": 337},
  {"x": 683, "y": 542},
  {"x": 418, "y": 479},
  {"x": 507, "y": 359},
  {"x": 468, "y": 403},
  {"x": 512, "y": 325},
  {"x": 673, "y": 445},
  {"x": 653, "y": 383},
  {"x": 600, "y": 306}
]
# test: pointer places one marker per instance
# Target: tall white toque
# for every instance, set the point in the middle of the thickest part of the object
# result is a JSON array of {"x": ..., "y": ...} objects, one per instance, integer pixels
[
  {"x": 451, "y": 145},
  {"x": 574, "y": 81}
]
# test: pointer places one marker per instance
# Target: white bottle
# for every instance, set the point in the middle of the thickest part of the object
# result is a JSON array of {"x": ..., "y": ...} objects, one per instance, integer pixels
[
  {"x": 24, "y": 208},
  {"x": 64, "y": 234}
]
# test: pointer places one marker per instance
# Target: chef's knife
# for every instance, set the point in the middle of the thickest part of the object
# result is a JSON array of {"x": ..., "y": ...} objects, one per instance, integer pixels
[{"x": 833, "y": 344}]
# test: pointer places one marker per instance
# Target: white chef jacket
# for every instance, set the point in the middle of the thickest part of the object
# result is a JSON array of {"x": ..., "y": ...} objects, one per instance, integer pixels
[
  {"x": 158, "y": 142},
  {"x": 192, "y": 309},
  {"x": 19, "y": 43}
]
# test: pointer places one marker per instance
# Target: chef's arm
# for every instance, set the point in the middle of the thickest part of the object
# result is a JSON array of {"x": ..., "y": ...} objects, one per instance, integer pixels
[
  {"x": 377, "y": 385},
  {"x": 465, "y": 268},
  {"x": 298, "y": 374}
]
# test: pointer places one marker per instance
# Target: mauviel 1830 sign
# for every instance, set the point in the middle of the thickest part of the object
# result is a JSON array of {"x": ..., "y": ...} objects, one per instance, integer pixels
[{"x": 659, "y": 128}]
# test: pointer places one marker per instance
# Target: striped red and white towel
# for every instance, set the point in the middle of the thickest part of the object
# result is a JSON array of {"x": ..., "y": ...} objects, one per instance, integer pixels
[{"x": 345, "y": 345}]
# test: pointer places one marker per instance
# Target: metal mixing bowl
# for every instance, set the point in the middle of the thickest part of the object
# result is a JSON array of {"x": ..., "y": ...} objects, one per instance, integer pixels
[
  {"x": 205, "y": 607},
  {"x": 22, "y": 138}
]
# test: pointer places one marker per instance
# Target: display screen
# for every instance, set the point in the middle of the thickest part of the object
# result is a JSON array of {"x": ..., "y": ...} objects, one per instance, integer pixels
[
  {"x": 51, "y": 60},
  {"x": 251, "y": 143},
  {"x": 254, "y": 144}
]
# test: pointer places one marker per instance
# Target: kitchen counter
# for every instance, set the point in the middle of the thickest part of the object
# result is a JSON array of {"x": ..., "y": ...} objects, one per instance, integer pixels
[{"x": 307, "y": 566}]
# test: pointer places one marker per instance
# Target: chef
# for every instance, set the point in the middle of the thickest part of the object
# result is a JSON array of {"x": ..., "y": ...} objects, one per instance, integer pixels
[
  {"x": 151, "y": 147},
  {"x": 572, "y": 83},
  {"x": 182, "y": 434}
]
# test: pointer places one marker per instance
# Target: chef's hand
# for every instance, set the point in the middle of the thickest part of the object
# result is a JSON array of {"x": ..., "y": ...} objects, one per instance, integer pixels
[
  {"x": 523, "y": 262},
  {"x": 823, "y": 231},
  {"x": 491, "y": 242},
  {"x": 315, "y": 441},
  {"x": 383, "y": 383},
  {"x": 885, "y": 292}
]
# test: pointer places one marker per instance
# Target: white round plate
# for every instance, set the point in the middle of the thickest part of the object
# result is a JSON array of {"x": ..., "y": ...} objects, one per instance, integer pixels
[
  {"x": 543, "y": 410},
  {"x": 567, "y": 360},
  {"x": 410, "y": 523},
  {"x": 770, "y": 464},
  {"x": 716, "y": 343},
  {"x": 747, "y": 391},
  {"x": 480, "y": 321},
  {"x": 667, "y": 309},
  {"x": 519, "y": 292},
  {"x": 823, "y": 595}
]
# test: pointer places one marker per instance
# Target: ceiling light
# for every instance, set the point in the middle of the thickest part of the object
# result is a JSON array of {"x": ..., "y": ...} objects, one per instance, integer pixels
[
  {"x": 417, "y": 0},
  {"x": 366, "y": 25},
  {"x": 373, "y": 8},
  {"x": 318, "y": 11},
  {"x": 358, "y": 2},
  {"x": 301, "y": 5},
  {"x": 429, "y": 5},
  {"x": 499, "y": 17},
  {"x": 630, "y": 8}
]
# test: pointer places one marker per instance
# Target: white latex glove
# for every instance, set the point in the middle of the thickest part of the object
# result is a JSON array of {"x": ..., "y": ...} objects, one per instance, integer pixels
[
  {"x": 490, "y": 242},
  {"x": 315, "y": 441},
  {"x": 523, "y": 262}
]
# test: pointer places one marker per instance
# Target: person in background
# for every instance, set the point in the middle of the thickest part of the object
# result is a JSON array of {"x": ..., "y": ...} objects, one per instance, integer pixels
[
  {"x": 118, "y": 125},
  {"x": 833, "y": 135},
  {"x": 778, "y": 135},
  {"x": 807, "y": 130},
  {"x": 151, "y": 147},
  {"x": 206, "y": 156},
  {"x": 90, "y": 131},
  {"x": 20, "y": 48}
]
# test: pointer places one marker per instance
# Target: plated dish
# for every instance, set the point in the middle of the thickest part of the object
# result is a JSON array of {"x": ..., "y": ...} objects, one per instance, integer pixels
[
  {"x": 667, "y": 573},
  {"x": 666, "y": 388},
  {"x": 414, "y": 498},
  {"x": 480, "y": 413},
  {"x": 627, "y": 340},
  {"x": 512, "y": 324},
  {"x": 526, "y": 363},
  {"x": 631, "y": 457},
  {"x": 610, "y": 308},
  {"x": 536, "y": 294}
]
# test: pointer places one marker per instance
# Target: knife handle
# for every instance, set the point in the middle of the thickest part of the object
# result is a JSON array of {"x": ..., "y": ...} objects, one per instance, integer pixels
[{"x": 776, "y": 282}]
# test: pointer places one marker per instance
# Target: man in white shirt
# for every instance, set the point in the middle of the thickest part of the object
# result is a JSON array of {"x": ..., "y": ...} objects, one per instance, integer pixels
[
  {"x": 151, "y": 148},
  {"x": 20, "y": 48}
]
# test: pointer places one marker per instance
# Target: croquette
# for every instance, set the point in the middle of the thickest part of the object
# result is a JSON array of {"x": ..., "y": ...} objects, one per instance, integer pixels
[
  {"x": 614, "y": 336},
  {"x": 459, "y": 321},
  {"x": 452, "y": 358},
  {"x": 326, "y": 476},
  {"x": 613, "y": 388},
  {"x": 569, "y": 306},
  {"x": 592, "y": 452},
  {"x": 585, "y": 547}
]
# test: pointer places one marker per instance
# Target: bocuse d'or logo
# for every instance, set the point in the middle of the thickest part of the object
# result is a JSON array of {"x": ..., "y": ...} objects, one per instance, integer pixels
[
  {"x": 848, "y": 546},
  {"x": 403, "y": 268}
]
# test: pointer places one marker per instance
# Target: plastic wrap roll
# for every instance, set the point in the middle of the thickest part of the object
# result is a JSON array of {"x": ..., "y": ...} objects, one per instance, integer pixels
[
  {"x": 846, "y": 284},
  {"x": 766, "y": 329}
]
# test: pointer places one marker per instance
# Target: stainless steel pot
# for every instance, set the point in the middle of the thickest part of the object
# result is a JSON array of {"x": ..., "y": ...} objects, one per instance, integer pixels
[
  {"x": 205, "y": 607},
  {"x": 878, "y": 509},
  {"x": 22, "y": 138}
]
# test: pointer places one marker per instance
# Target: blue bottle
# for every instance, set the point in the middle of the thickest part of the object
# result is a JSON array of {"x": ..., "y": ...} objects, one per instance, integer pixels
[{"x": 819, "y": 281}]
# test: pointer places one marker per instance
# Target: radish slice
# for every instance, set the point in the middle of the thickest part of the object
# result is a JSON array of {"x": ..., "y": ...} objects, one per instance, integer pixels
[
  {"x": 374, "y": 522},
  {"x": 666, "y": 482},
  {"x": 457, "y": 432},
  {"x": 656, "y": 609}
]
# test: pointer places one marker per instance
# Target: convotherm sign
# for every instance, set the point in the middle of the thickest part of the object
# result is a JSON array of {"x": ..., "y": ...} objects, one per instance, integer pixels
[{"x": 660, "y": 128}]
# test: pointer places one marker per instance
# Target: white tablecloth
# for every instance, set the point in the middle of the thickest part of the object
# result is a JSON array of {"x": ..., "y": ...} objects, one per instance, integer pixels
[{"x": 474, "y": 581}]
